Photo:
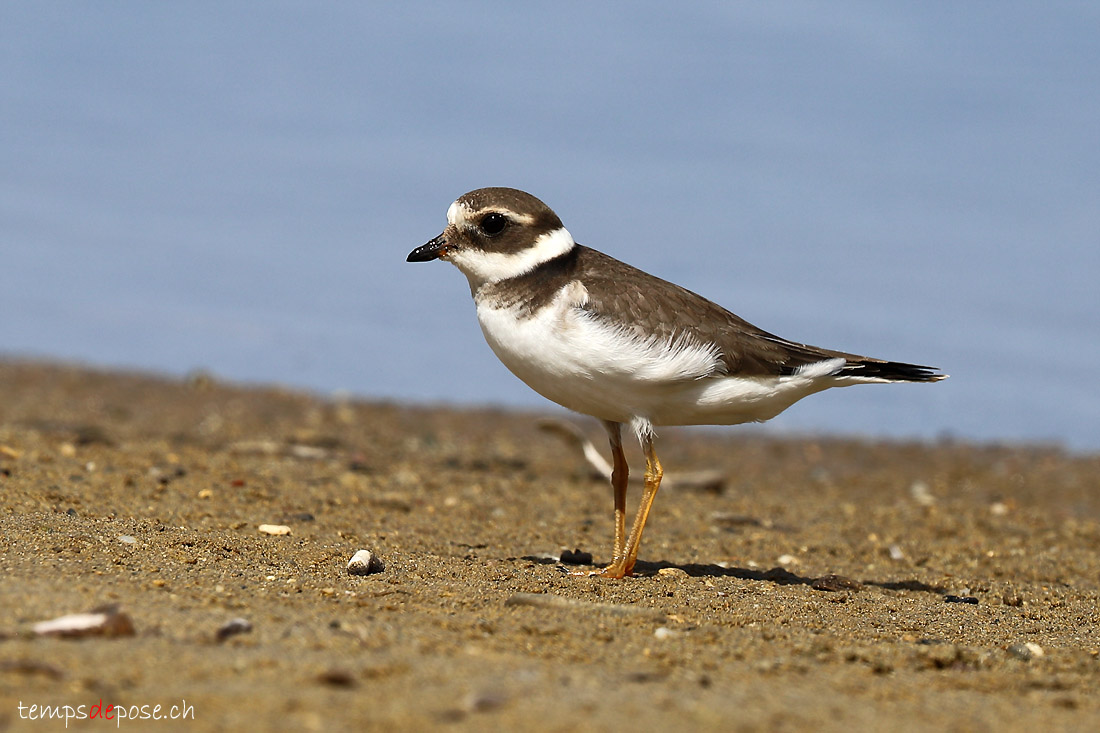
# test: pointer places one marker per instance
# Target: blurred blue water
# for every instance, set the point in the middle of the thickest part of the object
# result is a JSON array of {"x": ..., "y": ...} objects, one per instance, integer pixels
[{"x": 204, "y": 185}]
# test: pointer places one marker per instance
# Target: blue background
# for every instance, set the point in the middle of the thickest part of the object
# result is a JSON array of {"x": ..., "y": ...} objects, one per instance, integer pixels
[{"x": 235, "y": 186}]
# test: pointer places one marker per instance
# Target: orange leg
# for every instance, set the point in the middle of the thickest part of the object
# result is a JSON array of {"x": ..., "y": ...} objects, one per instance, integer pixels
[
  {"x": 653, "y": 475},
  {"x": 619, "y": 475},
  {"x": 622, "y": 563}
]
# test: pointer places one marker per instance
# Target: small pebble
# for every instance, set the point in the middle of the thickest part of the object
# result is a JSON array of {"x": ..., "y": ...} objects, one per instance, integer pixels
[
  {"x": 663, "y": 632},
  {"x": 232, "y": 628},
  {"x": 896, "y": 553},
  {"x": 126, "y": 539},
  {"x": 337, "y": 678},
  {"x": 960, "y": 599},
  {"x": 921, "y": 493},
  {"x": 672, "y": 573},
  {"x": 276, "y": 530},
  {"x": 787, "y": 560},
  {"x": 1026, "y": 651},
  {"x": 576, "y": 557},
  {"x": 365, "y": 562}
]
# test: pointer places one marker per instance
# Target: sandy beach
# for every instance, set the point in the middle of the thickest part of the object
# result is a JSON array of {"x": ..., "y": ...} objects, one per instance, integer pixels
[{"x": 820, "y": 584}]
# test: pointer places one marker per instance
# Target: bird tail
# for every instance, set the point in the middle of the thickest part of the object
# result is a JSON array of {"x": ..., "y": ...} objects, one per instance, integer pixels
[{"x": 890, "y": 371}]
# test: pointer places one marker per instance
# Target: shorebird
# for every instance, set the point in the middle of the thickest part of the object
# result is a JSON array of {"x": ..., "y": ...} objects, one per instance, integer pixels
[{"x": 605, "y": 339}]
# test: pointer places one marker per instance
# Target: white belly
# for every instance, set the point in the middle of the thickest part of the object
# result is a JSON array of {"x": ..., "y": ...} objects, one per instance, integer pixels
[{"x": 590, "y": 366}]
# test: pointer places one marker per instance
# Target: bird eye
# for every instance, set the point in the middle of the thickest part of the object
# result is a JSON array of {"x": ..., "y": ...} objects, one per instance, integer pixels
[{"x": 493, "y": 223}]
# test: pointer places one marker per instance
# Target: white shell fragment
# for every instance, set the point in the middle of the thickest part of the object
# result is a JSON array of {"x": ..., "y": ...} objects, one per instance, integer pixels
[
  {"x": 276, "y": 530},
  {"x": 364, "y": 562},
  {"x": 107, "y": 621}
]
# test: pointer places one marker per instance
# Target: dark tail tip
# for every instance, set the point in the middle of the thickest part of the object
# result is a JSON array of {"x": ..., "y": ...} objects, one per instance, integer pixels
[{"x": 894, "y": 371}]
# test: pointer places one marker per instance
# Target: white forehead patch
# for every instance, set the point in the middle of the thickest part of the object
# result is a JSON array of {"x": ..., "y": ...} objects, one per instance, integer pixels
[{"x": 456, "y": 212}]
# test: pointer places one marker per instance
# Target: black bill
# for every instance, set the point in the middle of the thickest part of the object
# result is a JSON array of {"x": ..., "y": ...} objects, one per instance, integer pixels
[{"x": 427, "y": 252}]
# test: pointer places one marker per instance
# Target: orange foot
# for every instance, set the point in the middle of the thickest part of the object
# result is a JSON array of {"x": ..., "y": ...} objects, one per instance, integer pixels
[{"x": 617, "y": 569}]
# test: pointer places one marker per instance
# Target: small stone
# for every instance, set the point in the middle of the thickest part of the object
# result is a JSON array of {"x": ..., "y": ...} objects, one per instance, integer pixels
[
  {"x": 275, "y": 530},
  {"x": 364, "y": 562},
  {"x": 787, "y": 560},
  {"x": 672, "y": 573},
  {"x": 1026, "y": 651},
  {"x": 998, "y": 509},
  {"x": 337, "y": 678},
  {"x": 206, "y": 493},
  {"x": 126, "y": 539},
  {"x": 921, "y": 493},
  {"x": 896, "y": 553},
  {"x": 663, "y": 632},
  {"x": 232, "y": 628},
  {"x": 576, "y": 557},
  {"x": 960, "y": 599}
]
